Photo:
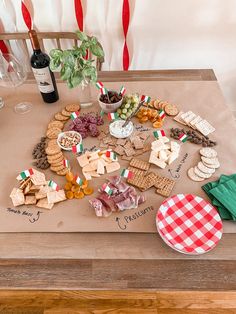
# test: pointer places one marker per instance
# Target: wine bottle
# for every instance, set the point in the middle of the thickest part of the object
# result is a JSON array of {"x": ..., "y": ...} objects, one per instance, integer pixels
[{"x": 42, "y": 73}]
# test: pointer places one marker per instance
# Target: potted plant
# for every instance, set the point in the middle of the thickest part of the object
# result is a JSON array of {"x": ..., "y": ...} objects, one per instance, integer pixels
[{"x": 75, "y": 68}]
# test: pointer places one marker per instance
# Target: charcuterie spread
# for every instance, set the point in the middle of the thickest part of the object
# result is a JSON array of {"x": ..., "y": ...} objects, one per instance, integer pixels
[{"x": 122, "y": 164}]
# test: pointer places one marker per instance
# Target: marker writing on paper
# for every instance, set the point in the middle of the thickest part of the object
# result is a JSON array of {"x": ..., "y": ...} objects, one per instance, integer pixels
[
  {"x": 32, "y": 217},
  {"x": 175, "y": 173},
  {"x": 123, "y": 222}
]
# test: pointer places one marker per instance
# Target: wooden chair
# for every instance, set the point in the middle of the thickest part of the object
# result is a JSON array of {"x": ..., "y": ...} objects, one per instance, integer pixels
[{"x": 57, "y": 36}]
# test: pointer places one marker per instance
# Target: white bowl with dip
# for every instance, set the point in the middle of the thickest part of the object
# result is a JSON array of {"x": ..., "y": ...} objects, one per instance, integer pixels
[
  {"x": 109, "y": 107},
  {"x": 117, "y": 131},
  {"x": 76, "y": 139}
]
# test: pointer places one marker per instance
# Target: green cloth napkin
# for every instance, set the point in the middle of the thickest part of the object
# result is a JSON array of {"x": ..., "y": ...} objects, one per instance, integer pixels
[{"x": 222, "y": 194}]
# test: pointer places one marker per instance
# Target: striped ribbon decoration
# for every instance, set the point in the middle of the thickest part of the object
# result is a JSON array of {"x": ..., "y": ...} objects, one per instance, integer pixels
[
  {"x": 79, "y": 14},
  {"x": 125, "y": 22},
  {"x": 3, "y": 47},
  {"x": 26, "y": 15},
  {"x": 80, "y": 18}
]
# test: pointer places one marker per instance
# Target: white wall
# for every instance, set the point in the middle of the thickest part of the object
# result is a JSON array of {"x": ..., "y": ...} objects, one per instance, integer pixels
[{"x": 163, "y": 34}]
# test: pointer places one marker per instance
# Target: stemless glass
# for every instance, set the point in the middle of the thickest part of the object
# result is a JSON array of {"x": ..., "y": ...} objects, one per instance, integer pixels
[{"x": 12, "y": 75}]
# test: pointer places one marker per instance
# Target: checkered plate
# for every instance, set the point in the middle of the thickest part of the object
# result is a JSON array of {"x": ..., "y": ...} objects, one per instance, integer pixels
[{"x": 189, "y": 224}]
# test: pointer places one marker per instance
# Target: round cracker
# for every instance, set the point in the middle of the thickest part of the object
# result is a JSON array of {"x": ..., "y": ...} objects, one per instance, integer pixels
[
  {"x": 58, "y": 160},
  {"x": 213, "y": 166},
  {"x": 55, "y": 156},
  {"x": 58, "y": 116},
  {"x": 53, "y": 133},
  {"x": 57, "y": 168},
  {"x": 52, "y": 142},
  {"x": 72, "y": 107},
  {"x": 208, "y": 152},
  {"x": 66, "y": 113},
  {"x": 52, "y": 150},
  {"x": 62, "y": 172},
  {"x": 204, "y": 168},
  {"x": 56, "y": 124},
  {"x": 171, "y": 110},
  {"x": 210, "y": 161},
  {"x": 193, "y": 176},
  {"x": 201, "y": 174},
  {"x": 156, "y": 104}
]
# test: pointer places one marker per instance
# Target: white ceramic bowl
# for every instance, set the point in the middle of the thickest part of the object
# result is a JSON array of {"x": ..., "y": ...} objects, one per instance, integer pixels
[
  {"x": 60, "y": 135},
  {"x": 109, "y": 107}
]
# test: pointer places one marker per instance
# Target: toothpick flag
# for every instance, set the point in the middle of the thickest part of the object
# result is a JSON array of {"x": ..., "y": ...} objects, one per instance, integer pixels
[
  {"x": 162, "y": 114},
  {"x": 78, "y": 180},
  {"x": 103, "y": 91},
  {"x": 102, "y": 113},
  {"x": 53, "y": 185},
  {"x": 66, "y": 163},
  {"x": 111, "y": 155},
  {"x": 127, "y": 173},
  {"x": 27, "y": 173},
  {"x": 74, "y": 115},
  {"x": 99, "y": 85},
  {"x": 146, "y": 99},
  {"x": 112, "y": 116},
  {"x": 107, "y": 189},
  {"x": 159, "y": 133},
  {"x": 77, "y": 148},
  {"x": 183, "y": 137},
  {"x": 122, "y": 90}
]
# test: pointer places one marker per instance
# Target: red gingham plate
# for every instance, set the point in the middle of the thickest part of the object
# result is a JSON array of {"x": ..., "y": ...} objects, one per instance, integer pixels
[{"x": 189, "y": 224}]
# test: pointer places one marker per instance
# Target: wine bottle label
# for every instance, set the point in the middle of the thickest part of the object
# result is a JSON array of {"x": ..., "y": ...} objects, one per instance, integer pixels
[{"x": 44, "y": 80}]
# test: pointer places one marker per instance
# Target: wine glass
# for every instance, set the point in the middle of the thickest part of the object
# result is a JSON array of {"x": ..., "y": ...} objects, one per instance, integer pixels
[{"x": 12, "y": 75}]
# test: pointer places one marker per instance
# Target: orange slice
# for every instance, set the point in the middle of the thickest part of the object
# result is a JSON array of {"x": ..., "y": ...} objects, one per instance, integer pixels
[{"x": 85, "y": 184}]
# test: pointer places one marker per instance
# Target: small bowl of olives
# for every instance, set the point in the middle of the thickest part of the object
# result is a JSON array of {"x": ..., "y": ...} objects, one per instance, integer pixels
[{"x": 110, "y": 102}]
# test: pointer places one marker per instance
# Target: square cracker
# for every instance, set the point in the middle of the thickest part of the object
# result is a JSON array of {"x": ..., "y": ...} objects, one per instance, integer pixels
[
  {"x": 43, "y": 203},
  {"x": 119, "y": 150},
  {"x": 56, "y": 196},
  {"x": 167, "y": 187},
  {"x": 150, "y": 180},
  {"x": 137, "y": 172},
  {"x": 129, "y": 152},
  {"x": 140, "y": 164}
]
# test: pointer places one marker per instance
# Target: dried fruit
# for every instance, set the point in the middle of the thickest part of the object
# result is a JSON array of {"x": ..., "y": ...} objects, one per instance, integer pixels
[
  {"x": 69, "y": 195},
  {"x": 79, "y": 195},
  {"x": 88, "y": 191}
]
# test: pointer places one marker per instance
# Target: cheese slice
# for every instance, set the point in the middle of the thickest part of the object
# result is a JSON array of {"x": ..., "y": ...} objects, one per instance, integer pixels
[
  {"x": 162, "y": 155},
  {"x": 173, "y": 156},
  {"x": 100, "y": 167},
  {"x": 83, "y": 160},
  {"x": 112, "y": 167}
]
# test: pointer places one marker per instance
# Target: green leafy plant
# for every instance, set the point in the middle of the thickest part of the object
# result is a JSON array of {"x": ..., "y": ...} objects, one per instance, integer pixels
[{"x": 75, "y": 69}]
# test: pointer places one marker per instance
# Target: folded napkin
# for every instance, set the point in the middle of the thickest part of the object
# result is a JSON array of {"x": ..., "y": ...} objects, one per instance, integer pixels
[{"x": 223, "y": 195}]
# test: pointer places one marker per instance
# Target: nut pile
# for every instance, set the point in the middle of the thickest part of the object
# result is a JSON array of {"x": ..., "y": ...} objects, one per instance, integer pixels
[
  {"x": 113, "y": 97},
  {"x": 40, "y": 155},
  {"x": 193, "y": 137},
  {"x": 69, "y": 139}
]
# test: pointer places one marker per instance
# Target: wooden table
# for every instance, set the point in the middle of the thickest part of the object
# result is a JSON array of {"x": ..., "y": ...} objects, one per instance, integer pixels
[{"x": 81, "y": 261}]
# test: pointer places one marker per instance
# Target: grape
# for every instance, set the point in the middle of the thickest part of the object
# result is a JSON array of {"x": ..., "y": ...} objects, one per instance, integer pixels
[
  {"x": 119, "y": 111},
  {"x": 127, "y": 106},
  {"x": 123, "y": 116},
  {"x": 124, "y": 110}
]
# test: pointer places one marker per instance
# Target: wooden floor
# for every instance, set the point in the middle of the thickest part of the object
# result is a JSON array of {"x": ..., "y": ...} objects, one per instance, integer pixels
[{"x": 117, "y": 302}]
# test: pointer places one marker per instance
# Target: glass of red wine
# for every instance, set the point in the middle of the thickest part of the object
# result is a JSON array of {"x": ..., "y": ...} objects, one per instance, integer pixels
[{"x": 12, "y": 75}]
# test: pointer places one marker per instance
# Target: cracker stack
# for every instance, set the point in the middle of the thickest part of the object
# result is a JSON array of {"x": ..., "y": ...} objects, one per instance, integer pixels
[
  {"x": 34, "y": 190},
  {"x": 54, "y": 153},
  {"x": 144, "y": 180},
  {"x": 206, "y": 167}
]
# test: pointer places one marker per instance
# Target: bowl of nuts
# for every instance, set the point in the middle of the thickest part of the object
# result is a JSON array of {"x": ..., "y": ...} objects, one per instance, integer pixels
[
  {"x": 110, "y": 102},
  {"x": 68, "y": 139}
]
